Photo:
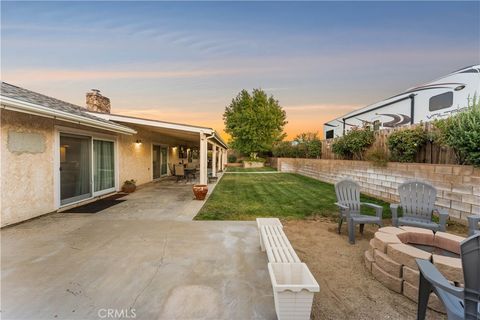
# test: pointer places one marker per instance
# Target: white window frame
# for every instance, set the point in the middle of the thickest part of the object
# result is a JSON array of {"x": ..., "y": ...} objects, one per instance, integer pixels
[{"x": 56, "y": 163}]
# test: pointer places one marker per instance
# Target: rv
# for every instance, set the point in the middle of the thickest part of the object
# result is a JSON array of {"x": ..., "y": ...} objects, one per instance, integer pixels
[{"x": 434, "y": 100}]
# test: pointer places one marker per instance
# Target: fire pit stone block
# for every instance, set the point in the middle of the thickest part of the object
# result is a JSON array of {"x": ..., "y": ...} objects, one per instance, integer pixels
[
  {"x": 389, "y": 281},
  {"x": 381, "y": 240},
  {"x": 387, "y": 264},
  {"x": 447, "y": 241},
  {"x": 406, "y": 255},
  {"x": 411, "y": 292},
  {"x": 419, "y": 236},
  {"x": 411, "y": 276},
  {"x": 369, "y": 260},
  {"x": 450, "y": 267}
]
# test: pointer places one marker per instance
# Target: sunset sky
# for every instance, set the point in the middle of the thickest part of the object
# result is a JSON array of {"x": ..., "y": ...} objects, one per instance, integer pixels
[{"x": 184, "y": 62}]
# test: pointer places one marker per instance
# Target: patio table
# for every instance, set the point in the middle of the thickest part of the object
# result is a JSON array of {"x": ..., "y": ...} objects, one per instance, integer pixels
[{"x": 190, "y": 173}]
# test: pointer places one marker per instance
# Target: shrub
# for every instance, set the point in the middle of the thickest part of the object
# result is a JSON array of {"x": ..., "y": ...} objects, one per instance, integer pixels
[
  {"x": 313, "y": 149},
  {"x": 462, "y": 133},
  {"x": 232, "y": 158},
  {"x": 378, "y": 156},
  {"x": 353, "y": 144},
  {"x": 308, "y": 145},
  {"x": 256, "y": 159},
  {"x": 404, "y": 144},
  {"x": 301, "y": 147}
]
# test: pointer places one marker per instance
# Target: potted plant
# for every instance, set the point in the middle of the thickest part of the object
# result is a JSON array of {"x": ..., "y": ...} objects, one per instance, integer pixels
[
  {"x": 129, "y": 186},
  {"x": 200, "y": 191}
]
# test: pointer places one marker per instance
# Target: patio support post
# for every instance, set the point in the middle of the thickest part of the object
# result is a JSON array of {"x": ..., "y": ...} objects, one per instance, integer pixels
[
  {"x": 203, "y": 159},
  {"x": 214, "y": 160},
  {"x": 220, "y": 160},
  {"x": 225, "y": 158}
]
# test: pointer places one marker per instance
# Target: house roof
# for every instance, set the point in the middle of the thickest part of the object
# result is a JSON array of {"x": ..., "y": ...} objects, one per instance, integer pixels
[
  {"x": 162, "y": 125},
  {"x": 23, "y": 100}
]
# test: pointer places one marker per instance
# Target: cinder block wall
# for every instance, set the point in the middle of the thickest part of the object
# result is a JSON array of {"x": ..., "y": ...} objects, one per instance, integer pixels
[{"x": 458, "y": 186}]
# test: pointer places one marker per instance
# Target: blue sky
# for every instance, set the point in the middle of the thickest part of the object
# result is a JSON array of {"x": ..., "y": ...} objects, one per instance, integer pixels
[{"x": 184, "y": 61}]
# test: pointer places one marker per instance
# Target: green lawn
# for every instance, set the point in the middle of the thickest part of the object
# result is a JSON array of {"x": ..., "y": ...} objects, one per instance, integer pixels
[
  {"x": 283, "y": 195},
  {"x": 242, "y": 169}
]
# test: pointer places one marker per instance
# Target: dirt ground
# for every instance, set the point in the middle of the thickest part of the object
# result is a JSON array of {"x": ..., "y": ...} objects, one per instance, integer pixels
[{"x": 347, "y": 289}]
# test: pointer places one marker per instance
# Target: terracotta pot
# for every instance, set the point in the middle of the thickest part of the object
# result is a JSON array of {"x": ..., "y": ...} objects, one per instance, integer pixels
[
  {"x": 200, "y": 191},
  {"x": 129, "y": 188}
]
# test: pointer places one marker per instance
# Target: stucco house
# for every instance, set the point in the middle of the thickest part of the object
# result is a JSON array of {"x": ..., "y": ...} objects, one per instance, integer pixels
[{"x": 55, "y": 154}]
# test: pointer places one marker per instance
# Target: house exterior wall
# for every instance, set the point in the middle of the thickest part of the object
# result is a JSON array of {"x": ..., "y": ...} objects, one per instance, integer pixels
[
  {"x": 27, "y": 186},
  {"x": 27, "y": 165},
  {"x": 458, "y": 187},
  {"x": 27, "y": 174},
  {"x": 135, "y": 159}
]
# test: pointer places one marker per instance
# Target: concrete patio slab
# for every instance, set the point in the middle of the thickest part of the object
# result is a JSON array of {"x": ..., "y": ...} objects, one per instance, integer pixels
[{"x": 140, "y": 258}]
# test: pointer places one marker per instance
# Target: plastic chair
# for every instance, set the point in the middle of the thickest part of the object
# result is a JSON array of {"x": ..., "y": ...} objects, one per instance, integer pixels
[
  {"x": 460, "y": 303},
  {"x": 348, "y": 201},
  {"x": 473, "y": 227},
  {"x": 417, "y": 200}
]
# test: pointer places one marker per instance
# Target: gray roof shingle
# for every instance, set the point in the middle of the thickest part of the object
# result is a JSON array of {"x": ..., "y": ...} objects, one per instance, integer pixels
[{"x": 18, "y": 93}]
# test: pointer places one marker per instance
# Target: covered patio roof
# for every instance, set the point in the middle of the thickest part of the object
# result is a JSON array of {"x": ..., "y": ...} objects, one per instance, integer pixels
[
  {"x": 183, "y": 131},
  {"x": 194, "y": 135}
]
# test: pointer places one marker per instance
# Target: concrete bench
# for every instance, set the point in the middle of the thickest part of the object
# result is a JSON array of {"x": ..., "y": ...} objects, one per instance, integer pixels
[{"x": 279, "y": 249}]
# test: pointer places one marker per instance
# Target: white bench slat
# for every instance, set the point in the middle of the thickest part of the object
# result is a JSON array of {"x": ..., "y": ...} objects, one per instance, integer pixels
[
  {"x": 286, "y": 243},
  {"x": 271, "y": 254},
  {"x": 277, "y": 245},
  {"x": 266, "y": 221},
  {"x": 280, "y": 243},
  {"x": 271, "y": 246}
]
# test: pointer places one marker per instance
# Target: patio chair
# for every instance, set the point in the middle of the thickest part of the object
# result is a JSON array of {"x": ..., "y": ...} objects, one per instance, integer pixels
[
  {"x": 179, "y": 172},
  {"x": 473, "y": 225},
  {"x": 460, "y": 303},
  {"x": 348, "y": 201},
  {"x": 417, "y": 200}
]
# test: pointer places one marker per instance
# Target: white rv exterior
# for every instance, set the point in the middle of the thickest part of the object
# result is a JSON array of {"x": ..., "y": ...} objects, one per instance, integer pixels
[{"x": 433, "y": 100}]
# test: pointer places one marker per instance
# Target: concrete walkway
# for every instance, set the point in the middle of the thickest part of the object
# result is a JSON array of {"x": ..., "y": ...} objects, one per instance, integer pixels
[{"x": 143, "y": 259}]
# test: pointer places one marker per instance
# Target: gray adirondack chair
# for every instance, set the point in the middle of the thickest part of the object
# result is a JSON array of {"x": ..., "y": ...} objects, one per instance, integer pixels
[
  {"x": 348, "y": 201},
  {"x": 473, "y": 227},
  {"x": 460, "y": 303},
  {"x": 417, "y": 200}
]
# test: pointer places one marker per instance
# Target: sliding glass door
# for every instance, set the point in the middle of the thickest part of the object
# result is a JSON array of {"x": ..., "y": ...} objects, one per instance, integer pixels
[
  {"x": 103, "y": 165},
  {"x": 156, "y": 161},
  {"x": 159, "y": 161},
  {"x": 87, "y": 167},
  {"x": 164, "y": 164},
  {"x": 75, "y": 164}
]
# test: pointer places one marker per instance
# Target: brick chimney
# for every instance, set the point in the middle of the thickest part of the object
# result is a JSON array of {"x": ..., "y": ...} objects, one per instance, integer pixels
[{"x": 97, "y": 103}]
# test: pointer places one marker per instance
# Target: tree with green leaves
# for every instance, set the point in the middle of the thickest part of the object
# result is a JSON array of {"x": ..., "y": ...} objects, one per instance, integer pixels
[{"x": 254, "y": 121}]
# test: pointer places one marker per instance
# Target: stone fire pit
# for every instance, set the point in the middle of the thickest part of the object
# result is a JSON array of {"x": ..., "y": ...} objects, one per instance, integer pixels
[{"x": 392, "y": 253}]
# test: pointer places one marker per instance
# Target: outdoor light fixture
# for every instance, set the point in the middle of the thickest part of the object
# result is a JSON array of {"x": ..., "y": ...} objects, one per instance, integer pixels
[{"x": 461, "y": 87}]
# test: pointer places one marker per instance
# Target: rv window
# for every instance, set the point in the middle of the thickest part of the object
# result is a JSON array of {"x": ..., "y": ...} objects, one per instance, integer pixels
[
  {"x": 441, "y": 101},
  {"x": 329, "y": 134}
]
